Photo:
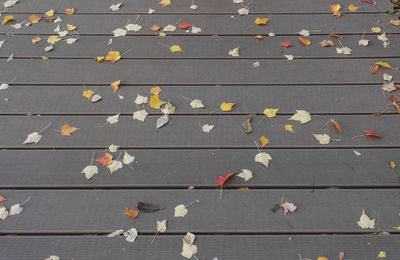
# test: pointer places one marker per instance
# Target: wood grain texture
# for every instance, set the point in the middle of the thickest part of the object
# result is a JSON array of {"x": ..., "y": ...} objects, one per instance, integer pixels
[
  {"x": 239, "y": 211},
  {"x": 200, "y": 72},
  {"x": 217, "y": 24},
  {"x": 185, "y": 132},
  {"x": 207, "y": 47},
  {"x": 181, "y": 6},
  {"x": 169, "y": 247},
  {"x": 324, "y": 99},
  {"x": 199, "y": 168}
]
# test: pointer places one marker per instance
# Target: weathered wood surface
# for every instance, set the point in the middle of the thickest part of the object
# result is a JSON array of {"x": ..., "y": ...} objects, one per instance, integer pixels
[
  {"x": 168, "y": 247},
  {"x": 207, "y": 47},
  {"x": 188, "y": 167},
  {"x": 182, "y": 6},
  {"x": 331, "y": 99},
  {"x": 185, "y": 132},
  {"x": 240, "y": 211},
  {"x": 216, "y": 24},
  {"x": 199, "y": 72}
]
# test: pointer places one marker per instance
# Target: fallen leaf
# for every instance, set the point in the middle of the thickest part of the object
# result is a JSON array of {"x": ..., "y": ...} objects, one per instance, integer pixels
[
  {"x": 247, "y": 126},
  {"x": 113, "y": 56},
  {"x": 288, "y": 207},
  {"x": 243, "y": 11},
  {"x": 2, "y": 198},
  {"x": 131, "y": 213},
  {"x": 263, "y": 158},
  {"x": 175, "y": 48},
  {"x": 395, "y": 22},
  {"x": 322, "y": 258},
  {"x": 66, "y": 129},
  {"x": 376, "y": 30},
  {"x": 15, "y": 209},
  {"x": 207, "y": 128},
  {"x": 3, "y": 213},
  {"x": 336, "y": 124},
  {"x": 264, "y": 141},
  {"x": 114, "y": 166},
  {"x": 113, "y": 148},
  {"x": 140, "y": 115},
  {"x": 392, "y": 165},
  {"x": 155, "y": 102},
  {"x": 53, "y": 39},
  {"x": 165, "y": 2},
  {"x": 327, "y": 43},
  {"x": 322, "y": 138},
  {"x": 227, "y": 106},
  {"x": 90, "y": 171},
  {"x": 71, "y": 40},
  {"x": 304, "y": 41},
  {"x": 363, "y": 42},
  {"x": 33, "y": 138},
  {"x": 133, "y": 27},
  {"x": 188, "y": 250},
  {"x": 261, "y": 21},
  {"x": 289, "y": 128},
  {"x": 234, "y": 52},
  {"x": 128, "y": 159},
  {"x": 155, "y": 90},
  {"x": 115, "y": 233},
  {"x": 380, "y": 64},
  {"x": 147, "y": 207},
  {"x": 221, "y": 179},
  {"x": 71, "y": 27},
  {"x": 119, "y": 32},
  {"x": 105, "y": 160},
  {"x": 69, "y": 11},
  {"x": 10, "y": 3},
  {"x": 185, "y": 25},
  {"x": 382, "y": 254},
  {"x": 161, "y": 226},
  {"x": 344, "y": 50},
  {"x": 302, "y": 116},
  {"x": 335, "y": 7},
  {"x": 162, "y": 121},
  {"x": 113, "y": 119},
  {"x": 286, "y": 44},
  {"x": 155, "y": 28},
  {"x": 115, "y": 7},
  {"x": 169, "y": 28},
  {"x": 196, "y": 104},
  {"x": 189, "y": 238},
  {"x": 115, "y": 85},
  {"x": 35, "y": 19},
  {"x": 53, "y": 257},
  {"x": 180, "y": 211},
  {"x": 352, "y": 8},
  {"x": 7, "y": 19},
  {"x": 304, "y": 33},
  {"x": 371, "y": 133},
  {"x": 365, "y": 222},
  {"x": 245, "y": 174},
  {"x": 95, "y": 98},
  {"x": 36, "y": 39},
  {"x": 388, "y": 86},
  {"x": 271, "y": 112},
  {"x": 131, "y": 235},
  {"x": 168, "y": 109}
]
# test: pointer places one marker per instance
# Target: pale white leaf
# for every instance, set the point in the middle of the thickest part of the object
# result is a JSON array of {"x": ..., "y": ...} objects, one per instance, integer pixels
[
  {"x": 57, "y": 20},
  {"x": 363, "y": 42},
  {"x": 133, "y": 27},
  {"x": 271, "y": 34},
  {"x": 193, "y": 7},
  {"x": 344, "y": 50},
  {"x": 115, "y": 7},
  {"x": 387, "y": 77},
  {"x": 10, "y": 58},
  {"x": 289, "y": 57},
  {"x": 255, "y": 64},
  {"x": 33, "y": 138},
  {"x": 95, "y": 98},
  {"x": 120, "y": 96},
  {"x": 263, "y": 158},
  {"x": 115, "y": 166},
  {"x": 302, "y": 116},
  {"x": 131, "y": 235},
  {"x": 128, "y": 159},
  {"x": 304, "y": 32},
  {"x": 357, "y": 153},
  {"x": 3, "y": 213},
  {"x": 188, "y": 250},
  {"x": 90, "y": 171},
  {"x": 382, "y": 37},
  {"x": 245, "y": 174},
  {"x": 48, "y": 48},
  {"x": 180, "y": 211},
  {"x": 71, "y": 40},
  {"x": 207, "y": 128},
  {"x": 365, "y": 222},
  {"x": 162, "y": 121},
  {"x": 115, "y": 233},
  {"x": 15, "y": 210},
  {"x": 168, "y": 109},
  {"x": 119, "y": 32},
  {"x": 195, "y": 29},
  {"x": 140, "y": 100},
  {"x": 161, "y": 226},
  {"x": 197, "y": 103},
  {"x": 169, "y": 28},
  {"x": 234, "y": 52},
  {"x": 10, "y": 3},
  {"x": 243, "y": 11},
  {"x": 4, "y": 86},
  {"x": 151, "y": 11},
  {"x": 1, "y": 43},
  {"x": 189, "y": 238},
  {"x": 388, "y": 86},
  {"x": 113, "y": 148},
  {"x": 16, "y": 25},
  {"x": 53, "y": 257},
  {"x": 140, "y": 115},
  {"x": 322, "y": 138},
  {"x": 63, "y": 33},
  {"x": 113, "y": 119},
  {"x": 237, "y": 1}
]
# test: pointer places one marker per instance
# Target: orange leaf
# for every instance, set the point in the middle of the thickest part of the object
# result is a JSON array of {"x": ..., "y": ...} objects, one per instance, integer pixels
[
  {"x": 353, "y": 8},
  {"x": 34, "y": 18},
  {"x": 336, "y": 36},
  {"x": 155, "y": 90},
  {"x": 185, "y": 25},
  {"x": 3, "y": 198},
  {"x": 131, "y": 213},
  {"x": 375, "y": 69},
  {"x": 66, "y": 130},
  {"x": 88, "y": 93},
  {"x": 371, "y": 133},
  {"x": 113, "y": 56},
  {"x": 221, "y": 179},
  {"x": 397, "y": 106},
  {"x": 336, "y": 125},
  {"x": 69, "y": 11},
  {"x": 105, "y": 160},
  {"x": 335, "y": 7},
  {"x": 36, "y": 39},
  {"x": 264, "y": 141},
  {"x": 261, "y": 21},
  {"x": 155, "y": 28},
  {"x": 304, "y": 41},
  {"x": 115, "y": 85}
]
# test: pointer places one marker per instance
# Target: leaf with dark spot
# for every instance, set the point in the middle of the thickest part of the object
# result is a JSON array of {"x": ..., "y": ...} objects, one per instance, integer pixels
[
  {"x": 147, "y": 207},
  {"x": 247, "y": 126}
]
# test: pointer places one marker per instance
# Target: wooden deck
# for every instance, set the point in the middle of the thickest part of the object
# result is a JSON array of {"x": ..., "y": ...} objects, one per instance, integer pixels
[{"x": 68, "y": 216}]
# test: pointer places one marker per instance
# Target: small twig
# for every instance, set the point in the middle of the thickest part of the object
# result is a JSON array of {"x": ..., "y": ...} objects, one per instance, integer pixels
[
  {"x": 119, "y": 155},
  {"x": 164, "y": 44},
  {"x": 186, "y": 98},
  {"x": 178, "y": 21},
  {"x": 91, "y": 162},
  {"x": 257, "y": 146},
  {"x": 44, "y": 128},
  {"x": 127, "y": 52},
  {"x": 25, "y": 201},
  {"x": 192, "y": 203},
  {"x": 154, "y": 238}
]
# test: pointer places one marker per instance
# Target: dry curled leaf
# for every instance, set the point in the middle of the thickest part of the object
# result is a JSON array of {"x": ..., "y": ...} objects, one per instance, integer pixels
[
  {"x": 264, "y": 141},
  {"x": 261, "y": 21},
  {"x": 66, "y": 129},
  {"x": 227, "y": 106},
  {"x": 105, "y": 160},
  {"x": 115, "y": 85},
  {"x": 247, "y": 126},
  {"x": 304, "y": 41},
  {"x": 131, "y": 213},
  {"x": 69, "y": 11}
]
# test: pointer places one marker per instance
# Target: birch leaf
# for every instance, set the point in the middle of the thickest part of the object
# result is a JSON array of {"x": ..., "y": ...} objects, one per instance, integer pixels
[
  {"x": 128, "y": 159},
  {"x": 156, "y": 102},
  {"x": 90, "y": 171},
  {"x": 197, "y": 103},
  {"x": 245, "y": 174},
  {"x": 115, "y": 233},
  {"x": 113, "y": 148},
  {"x": 261, "y": 21},
  {"x": 168, "y": 109},
  {"x": 140, "y": 115},
  {"x": 169, "y": 28},
  {"x": 133, "y": 27},
  {"x": 66, "y": 130},
  {"x": 234, "y": 52},
  {"x": 344, "y": 50},
  {"x": 322, "y": 138},
  {"x": 365, "y": 222},
  {"x": 53, "y": 257},
  {"x": 207, "y": 128},
  {"x": 247, "y": 126},
  {"x": 15, "y": 210},
  {"x": 3, "y": 213},
  {"x": 161, "y": 226},
  {"x": 131, "y": 213},
  {"x": 115, "y": 7},
  {"x": 140, "y": 100},
  {"x": 382, "y": 254},
  {"x": 175, "y": 48},
  {"x": 180, "y": 211},
  {"x": 113, "y": 119},
  {"x": 10, "y": 3},
  {"x": 33, "y": 138},
  {"x": 95, "y": 98},
  {"x": 227, "y": 106},
  {"x": 119, "y": 32},
  {"x": 263, "y": 158},
  {"x": 115, "y": 166},
  {"x": 188, "y": 250},
  {"x": 243, "y": 11},
  {"x": 165, "y": 2},
  {"x": 264, "y": 141},
  {"x": 71, "y": 40},
  {"x": 363, "y": 42},
  {"x": 289, "y": 128},
  {"x": 105, "y": 160},
  {"x": 162, "y": 121},
  {"x": 131, "y": 235},
  {"x": 288, "y": 207},
  {"x": 302, "y": 116},
  {"x": 271, "y": 112},
  {"x": 4, "y": 86},
  {"x": 304, "y": 33}
]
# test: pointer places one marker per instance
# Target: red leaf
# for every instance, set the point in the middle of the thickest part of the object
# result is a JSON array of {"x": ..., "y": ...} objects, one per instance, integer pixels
[
  {"x": 371, "y": 133},
  {"x": 286, "y": 44},
  {"x": 105, "y": 160},
  {"x": 185, "y": 25},
  {"x": 367, "y": 1},
  {"x": 222, "y": 179},
  {"x": 3, "y": 198}
]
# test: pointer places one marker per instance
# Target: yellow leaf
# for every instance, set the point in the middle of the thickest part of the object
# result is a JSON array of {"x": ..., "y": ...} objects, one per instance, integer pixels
[
  {"x": 7, "y": 19},
  {"x": 165, "y": 2},
  {"x": 115, "y": 85},
  {"x": 243, "y": 188},
  {"x": 264, "y": 141},
  {"x": 44, "y": 58},
  {"x": 49, "y": 13},
  {"x": 395, "y": 22},
  {"x": 156, "y": 102},
  {"x": 376, "y": 30},
  {"x": 36, "y": 39},
  {"x": 175, "y": 48},
  {"x": 99, "y": 58},
  {"x": 34, "y": 18},
  {"x": 69, "y": 11},
  {"x": 322, "y": 258},
  {"x": 392, "y": 165},
  {"x": 71, "y": 27},
  {"x": 66, "y": 130},
  {"x": 398, "y": 228},
  {"x": 113, "y": 56},
  {"x": 227, "y": 106},
  {"x": 289, "y": 128},
  {"x": 353, "y": 8},
  {"x": 383, "y": 64},
  {"x": 382, "y": 254},
  {"x": 88, "y": 93},
  {"x": 259, "y": 37},
  {"x": 304, "y": 41},
  {"x": 271, "y": 112},
  {"x": 53, "y": 39},
  {"x": 335, "y": 7},
  {"x": 261, "y": 21},
  {"x": 155, "y": 90}
]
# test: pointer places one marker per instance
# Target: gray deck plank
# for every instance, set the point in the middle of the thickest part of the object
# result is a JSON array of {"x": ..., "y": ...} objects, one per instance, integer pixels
[
  {"x": 217, "y": 24},
  {"x": 194, "y": 47},
  {"x": 169, "y": 247},
  {"x": 181, "y": 6},
  {"x": 239, "y": 211},
  {"x": 185, "y": 132},
  {"x": 343, "y": 99},
  {"x": 184, "y": 168},
  {"x": 234, "y": 71}
]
